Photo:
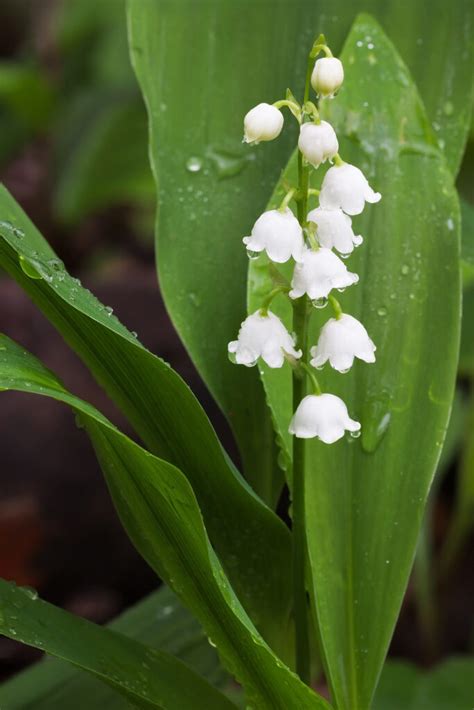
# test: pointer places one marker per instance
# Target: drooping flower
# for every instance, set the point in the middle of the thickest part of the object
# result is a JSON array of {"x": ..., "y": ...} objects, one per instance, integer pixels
[
  {"x": 318, "y": 273},
  {"x": 345, "y": 187},
  {"x": 265, "y": 336},
  {"x": 324, "y": 416},
  {"x": 334, "y": 230},
  {"x": 262, "y": 123},
  {"x": 340, "y": 341},
  {"x": 327, "y": 77},
  {"x": 318, "y": 142},
  {"x": 279, "y": 234}
]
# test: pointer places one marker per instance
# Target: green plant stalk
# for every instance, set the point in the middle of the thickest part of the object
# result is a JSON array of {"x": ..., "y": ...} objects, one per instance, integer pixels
[{"x": 300, "y": 327}]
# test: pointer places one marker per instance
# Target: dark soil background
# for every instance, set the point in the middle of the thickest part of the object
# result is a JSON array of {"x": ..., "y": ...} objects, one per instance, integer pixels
[{"x": 58, "y": 530}]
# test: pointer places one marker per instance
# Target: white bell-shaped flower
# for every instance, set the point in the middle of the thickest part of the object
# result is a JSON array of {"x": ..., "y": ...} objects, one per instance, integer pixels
[
  {"x": 279, "y": 234},
  {"x": 318, "y": 273},
  {"x": 341, "y": 340},
  {"x": 324, "y": 416},
  {"x": 327, "y": 76},
  {"x": 263, "y": 336},
  {"x": 318, "y": 142},
  {"x": 262, "y": 123},
  {"x": 345, "y": 187},
  {"x": 334, "y": 230}
]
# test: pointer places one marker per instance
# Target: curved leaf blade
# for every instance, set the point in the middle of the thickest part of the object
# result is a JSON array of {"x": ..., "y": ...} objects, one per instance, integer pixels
[
  {"x": 160, "y": 512},
  {"x": 253, "y": 544},
  {"x": 150, "y": 678},
  {"x": 159, "y": 621},
  {"x": 365, "y": 500}
]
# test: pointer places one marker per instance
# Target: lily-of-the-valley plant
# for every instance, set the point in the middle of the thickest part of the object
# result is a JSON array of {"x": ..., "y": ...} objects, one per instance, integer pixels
[{"x": 317, "y": 242}]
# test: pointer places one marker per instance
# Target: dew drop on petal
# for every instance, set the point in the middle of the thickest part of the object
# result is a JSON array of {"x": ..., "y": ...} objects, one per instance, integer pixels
[{"x": 320, "y": 302}]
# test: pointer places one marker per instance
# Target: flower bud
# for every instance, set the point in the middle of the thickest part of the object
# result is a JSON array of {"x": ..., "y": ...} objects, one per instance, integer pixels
[
  {"x": 327, "y": 77},
  {"x": 324, "y": 416},
  {"x": 262, "y": 123},
  {"x": 318, "y": 142}
]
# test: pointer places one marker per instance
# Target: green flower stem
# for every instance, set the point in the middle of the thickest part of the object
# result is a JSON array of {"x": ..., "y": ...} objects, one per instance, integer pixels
[
  {"x": 300, "y": 327},
  {"x": 336, "y": 306},
  {"x": 312, "y": 376},
  {"x": 300, "y": 603},
  {"x": 294, "y": 107},
  {"x": 310, "y": 110},
  {"x": 287, "y": 199},
  {"x": 269, "y": 298},
  {"x": 320, "y": 46}
]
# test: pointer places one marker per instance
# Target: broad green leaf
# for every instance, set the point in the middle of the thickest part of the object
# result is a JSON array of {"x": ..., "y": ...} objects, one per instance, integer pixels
[
  {"x": 240, "y": 55},
  {"x": 449, "y": 686},
  {"x": 253, "y": 544},
  {"x": 149, "y": 678},
  {"x": 205, "y": 176},
  {"x": 160, "y": 513},
  {"x": 159, "y": 621},
  {"x": 365, "y": 499}
]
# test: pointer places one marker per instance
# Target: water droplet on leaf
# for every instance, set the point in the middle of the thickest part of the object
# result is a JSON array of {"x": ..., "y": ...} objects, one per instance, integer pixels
[
  {"x": 193, "y": 164},
  {"x": 252, "y": 255}
]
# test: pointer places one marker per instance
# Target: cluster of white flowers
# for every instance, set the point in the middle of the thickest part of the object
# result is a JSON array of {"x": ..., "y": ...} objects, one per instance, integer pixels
[{"x": 318, "y": 268}]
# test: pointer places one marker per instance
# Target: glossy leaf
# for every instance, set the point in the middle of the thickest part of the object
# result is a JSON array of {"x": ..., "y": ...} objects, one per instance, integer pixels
[
  {"x": 159, "y": 621},
  {"x": 212, "y": 189},
  {"x": 365, "y": 499},
  {"x": 150, "y": 678},
  {"x": 158, "y": 509},
  {"x": 253, "y": 544}
]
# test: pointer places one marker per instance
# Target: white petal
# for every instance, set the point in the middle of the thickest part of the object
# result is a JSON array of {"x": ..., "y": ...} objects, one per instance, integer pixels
[
  {"x": 262, "y": 336},
  {"x": 324, "y": 416},
  {"x": 340, "y": 341},
  {"x": 318, "y": 142},
  {"x": 278, "y": 233},
  {"x": 345, "y": 187},
  {"x": 334, "y": 229},
  {"x": 318, "y": 273},
  {"x": 262, "y": 123},
  {"x": 327, "y": 76}
]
